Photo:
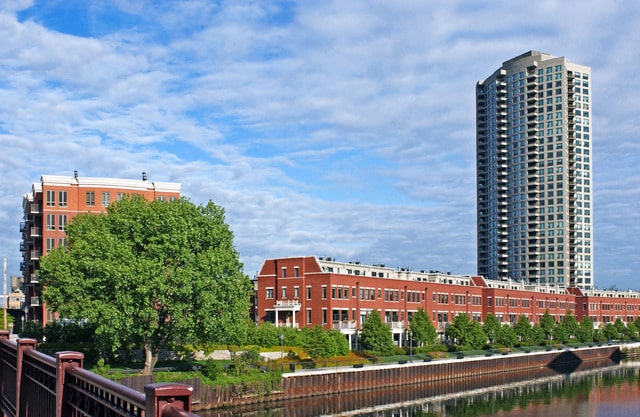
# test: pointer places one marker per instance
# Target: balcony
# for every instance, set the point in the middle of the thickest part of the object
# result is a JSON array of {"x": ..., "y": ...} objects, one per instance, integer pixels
[
  {"x": 35, "y": 208},
  {"x": 396, "y": 325},
  {"x": 34, "y": 254},
  {"x": 34, "y": 302},
  {"x": 344, "y": 325},
  {"x": 35, "y": 232},
  {"x": 287, "y": 305}
]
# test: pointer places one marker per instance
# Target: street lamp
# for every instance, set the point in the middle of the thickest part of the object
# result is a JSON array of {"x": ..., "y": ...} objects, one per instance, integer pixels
[
  {"x": 410, "y": 346},
  {"x": 281, "y": 352}
]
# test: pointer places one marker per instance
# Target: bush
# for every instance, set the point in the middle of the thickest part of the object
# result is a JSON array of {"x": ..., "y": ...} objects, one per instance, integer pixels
[
  {"x": 211, "y": 369},
  {"x": 32, "y": 330}
]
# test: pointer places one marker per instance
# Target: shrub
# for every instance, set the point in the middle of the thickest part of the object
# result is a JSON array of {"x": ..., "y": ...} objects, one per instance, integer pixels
[{"x": 211, "y": 369}]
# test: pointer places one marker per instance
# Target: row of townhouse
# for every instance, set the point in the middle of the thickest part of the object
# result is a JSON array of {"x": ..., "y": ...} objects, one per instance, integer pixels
[{"x": 308, "y": 291}]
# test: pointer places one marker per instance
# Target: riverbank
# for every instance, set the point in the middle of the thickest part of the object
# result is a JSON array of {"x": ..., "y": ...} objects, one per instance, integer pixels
[{"x": 309, "y": 383}]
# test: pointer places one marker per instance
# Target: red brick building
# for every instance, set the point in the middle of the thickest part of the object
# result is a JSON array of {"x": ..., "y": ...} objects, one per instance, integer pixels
[
  {"x": 307, "y": 291},
  {"x": 53, "y": 202}
]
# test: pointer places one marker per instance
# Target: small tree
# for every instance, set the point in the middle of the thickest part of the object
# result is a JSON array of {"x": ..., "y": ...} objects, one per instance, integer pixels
[
  {"x": 376, "y": 335},
  {"x": 585, "y": 331},
  {"x": 547, "y": 324},
  {"x": 522, "y": 328},
  {"x": 560, "y": 334},
  {"x": 466, "y": 332},
  {"x": 609, "y": 331},
  {"x": 632, "y": 330},
  {"x": 621, "y": 329},
  {"x": 537, "y": 336},
  {"x": 321, "y": 343},
  {"x": 265, "y": 334},
  {"x": 422, "y": 329},
  {"x": 491, "y": 327},
  {"x": 570, "y": 323},
  {"x": 506, "y": 336}
]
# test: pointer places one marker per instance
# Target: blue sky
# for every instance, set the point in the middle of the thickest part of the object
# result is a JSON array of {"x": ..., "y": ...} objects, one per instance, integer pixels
[{"x": 329, "y": 128}]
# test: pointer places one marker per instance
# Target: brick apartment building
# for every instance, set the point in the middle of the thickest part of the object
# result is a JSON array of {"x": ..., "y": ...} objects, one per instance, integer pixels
[
  {"x": 52, "y": 203},
  {"x": 307, "y": 291}
]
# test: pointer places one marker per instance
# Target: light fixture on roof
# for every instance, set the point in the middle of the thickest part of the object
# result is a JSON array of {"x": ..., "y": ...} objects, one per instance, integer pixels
[{"x": 144, "y": 176}]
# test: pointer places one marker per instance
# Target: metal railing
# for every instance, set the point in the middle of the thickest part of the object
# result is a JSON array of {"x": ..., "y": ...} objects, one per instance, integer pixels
[{"x": 35, "y": 384}]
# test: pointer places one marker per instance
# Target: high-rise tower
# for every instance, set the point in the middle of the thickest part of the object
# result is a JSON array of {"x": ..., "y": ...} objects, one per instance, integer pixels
[{"x": 533, "y": 161}]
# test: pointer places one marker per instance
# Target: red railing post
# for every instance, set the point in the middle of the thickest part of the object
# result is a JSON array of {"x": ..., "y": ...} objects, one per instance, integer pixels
[
  {"x": 23, "y": 344},
  {"x": 4, "y": 334},
  {"x": 63, "y": 360},
  {"x": 160, "y": 395}
]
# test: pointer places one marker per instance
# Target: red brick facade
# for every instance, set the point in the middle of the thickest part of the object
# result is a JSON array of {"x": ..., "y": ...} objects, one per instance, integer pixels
[{"x": 307, "y": 291}]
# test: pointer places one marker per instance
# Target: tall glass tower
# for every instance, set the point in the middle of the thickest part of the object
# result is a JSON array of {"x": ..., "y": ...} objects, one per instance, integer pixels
[{"x": 533, "y": 163}]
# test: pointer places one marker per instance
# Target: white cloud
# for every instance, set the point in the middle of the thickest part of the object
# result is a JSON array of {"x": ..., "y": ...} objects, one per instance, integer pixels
[{"x": 331, "y": 128}]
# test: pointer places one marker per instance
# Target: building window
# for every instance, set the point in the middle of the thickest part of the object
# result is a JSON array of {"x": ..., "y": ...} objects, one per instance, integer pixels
[
  {"x": 62, "y": 221},
  {"x": 51, "y": 198},
  {"x": 295, "y": 292},
  {"x": 296, "y": 271},
  {"x": 106, "y": 199},
  {"x": 284, "y": 292},
  {"x": 324, "y": 292},
  {"x": 160, "y": 198},
  {"x": 172, "y": 198},
  {"x": 269, "y": 293},
  {"x": 62, "y": 198},
  {"x": 284, "y": 273},
  {"x": 308, "y": 293},
  {"x": 50, "y": 244},
  {"x": 120, "y": 196},
  {"x": 51, "y": 222},
  {"x": 308, "y": 316},
  {"x": 62, "y": 242},
  {"x": 91, "y": 198}
]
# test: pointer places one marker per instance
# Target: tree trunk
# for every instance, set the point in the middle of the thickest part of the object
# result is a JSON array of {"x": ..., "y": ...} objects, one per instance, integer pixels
[{"x": 150, "y": 359}]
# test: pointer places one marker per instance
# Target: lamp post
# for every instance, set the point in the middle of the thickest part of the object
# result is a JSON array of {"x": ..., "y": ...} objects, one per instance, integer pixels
[
  {"x": 281, "y": 352},
  {"x": 410, "y": 346}
]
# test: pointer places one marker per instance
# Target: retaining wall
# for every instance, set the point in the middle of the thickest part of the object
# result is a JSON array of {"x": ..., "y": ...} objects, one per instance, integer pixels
[
  {"x": 325, "y": 381},
  {"x": 309, "y": 383}
]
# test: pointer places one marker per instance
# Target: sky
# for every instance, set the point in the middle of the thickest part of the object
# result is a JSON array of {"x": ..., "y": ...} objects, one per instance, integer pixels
[{"x": 328, "y": 128}]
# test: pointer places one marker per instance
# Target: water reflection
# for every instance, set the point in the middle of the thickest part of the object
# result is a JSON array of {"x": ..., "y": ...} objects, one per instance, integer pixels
[{"x": 488, "y": 395}]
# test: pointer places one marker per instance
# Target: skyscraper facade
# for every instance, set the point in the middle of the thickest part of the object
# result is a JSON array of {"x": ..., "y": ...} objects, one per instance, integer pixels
[{"x": 533, "y": 162}]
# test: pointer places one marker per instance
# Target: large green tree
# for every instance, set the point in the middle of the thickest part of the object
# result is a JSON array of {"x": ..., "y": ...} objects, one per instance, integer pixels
[{"x": 150, "y": 274}]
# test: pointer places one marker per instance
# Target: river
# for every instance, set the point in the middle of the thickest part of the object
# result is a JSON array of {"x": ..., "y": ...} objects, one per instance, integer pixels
[{"x": 596, "y": 389}]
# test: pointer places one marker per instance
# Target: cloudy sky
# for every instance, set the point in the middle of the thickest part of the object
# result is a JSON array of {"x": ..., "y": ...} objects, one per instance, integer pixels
[{"x": 328, "y": 128}]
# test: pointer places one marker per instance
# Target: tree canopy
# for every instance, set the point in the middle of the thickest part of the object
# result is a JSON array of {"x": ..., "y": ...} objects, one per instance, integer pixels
[
  {"x": 149, "y": 274},
  {"x": 466, "y": 332},
  {"x": 376, "y": 335},
  {"x": 423, "y": 330}
]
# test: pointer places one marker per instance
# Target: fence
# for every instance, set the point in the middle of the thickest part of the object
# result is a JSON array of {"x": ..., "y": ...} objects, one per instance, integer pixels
[{"x": 33, "y": 384}]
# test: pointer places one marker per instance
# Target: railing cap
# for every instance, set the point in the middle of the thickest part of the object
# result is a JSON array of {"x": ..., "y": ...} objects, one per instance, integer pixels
[
  {"x": 168, "y": 389},
  {"x": 68, "y": 355}
]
